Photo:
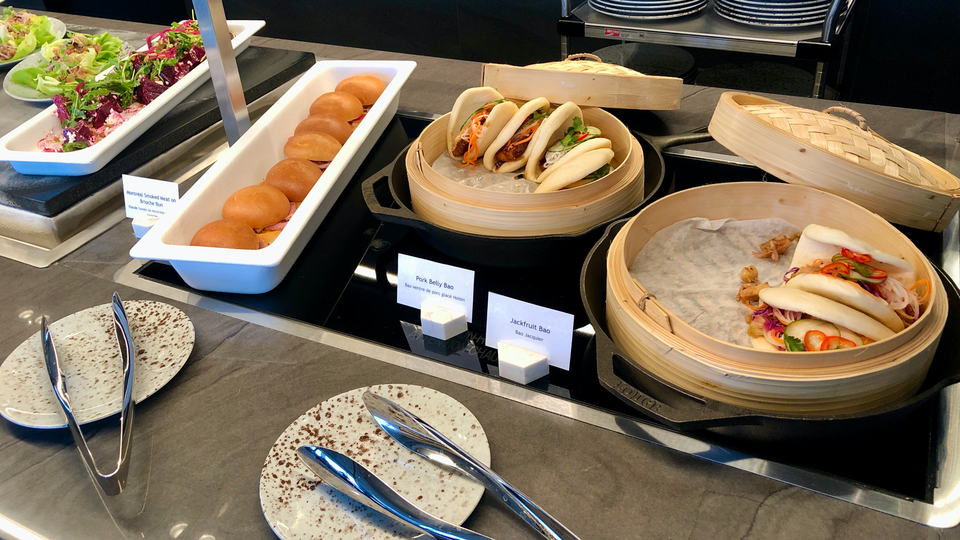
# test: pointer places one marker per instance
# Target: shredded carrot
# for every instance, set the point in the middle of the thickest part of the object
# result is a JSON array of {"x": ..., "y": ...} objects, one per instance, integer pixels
[
  {"x": 926, "y": 288},
  {"x": 473, "y": 151},
  {"x": 761, "y": 306},
  {"x": 525, "y": 135}
]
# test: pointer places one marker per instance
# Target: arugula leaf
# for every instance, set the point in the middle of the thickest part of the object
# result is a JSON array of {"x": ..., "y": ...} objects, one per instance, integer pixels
[{"x": 793, "y": 343}]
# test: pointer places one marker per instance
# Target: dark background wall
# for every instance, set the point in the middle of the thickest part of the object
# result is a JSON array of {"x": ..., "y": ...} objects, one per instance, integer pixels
[{"x": 901, "y": 53}]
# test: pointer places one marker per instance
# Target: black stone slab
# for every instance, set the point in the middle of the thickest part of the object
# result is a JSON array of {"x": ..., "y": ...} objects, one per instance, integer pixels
[{"x": 261, "y": 70}]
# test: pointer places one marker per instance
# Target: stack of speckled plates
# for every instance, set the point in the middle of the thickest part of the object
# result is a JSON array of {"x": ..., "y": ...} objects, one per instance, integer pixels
[
  {"x": 647, "y": 9},
  {"x": 773, "y": 12}
]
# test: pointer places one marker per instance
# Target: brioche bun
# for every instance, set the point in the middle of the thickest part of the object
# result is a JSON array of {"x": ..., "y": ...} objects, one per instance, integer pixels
[
  {"x": 327, "y": 123},
  {"x": 342, "y": 104},
  {"x": 294, "y": 177},
  {"x": 367, "y": 88},
  {"x": 225, "y": 233},
  {"x": 257, "y": 206},
  {"x": 312, "y": 146}
]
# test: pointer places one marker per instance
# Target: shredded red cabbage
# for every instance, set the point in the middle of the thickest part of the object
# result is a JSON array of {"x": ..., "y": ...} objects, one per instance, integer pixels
[
  {"x": 790, "y": 273},
  {"x": 772, "y": 325}
]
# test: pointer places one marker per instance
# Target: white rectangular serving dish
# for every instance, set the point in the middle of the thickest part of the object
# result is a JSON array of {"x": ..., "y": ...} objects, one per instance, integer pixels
[
  {"x": 19, "y": 147},
  {"x": 247, "y": 162}
]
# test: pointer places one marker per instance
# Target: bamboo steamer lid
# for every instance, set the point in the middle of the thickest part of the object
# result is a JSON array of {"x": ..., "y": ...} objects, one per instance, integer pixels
[
  {"x": 587, "y": 81},
  {"x": 828, "y": 152},
  {"x": 833, "y": 382}
]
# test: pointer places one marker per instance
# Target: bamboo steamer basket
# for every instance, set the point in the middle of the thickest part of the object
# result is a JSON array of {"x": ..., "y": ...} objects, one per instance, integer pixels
[
  {"x": 834, "y": 382},
  {"x": 587, "y": 81},
  {"x": 821, "y": 150},
  {"x": 463, "y": 208}
]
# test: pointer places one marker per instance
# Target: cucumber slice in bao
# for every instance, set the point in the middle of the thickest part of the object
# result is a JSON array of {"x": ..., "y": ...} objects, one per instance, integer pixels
[
  {"x": 851, "y": 335},
  {"x": 799, "y": 329}
]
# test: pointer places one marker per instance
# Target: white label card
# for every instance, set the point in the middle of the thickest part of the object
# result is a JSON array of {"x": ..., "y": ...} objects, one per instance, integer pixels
[
  {"x": 444, "y": 285},
  {"x": 148, "y": 197},
  {"x": 546, "y": 331}
]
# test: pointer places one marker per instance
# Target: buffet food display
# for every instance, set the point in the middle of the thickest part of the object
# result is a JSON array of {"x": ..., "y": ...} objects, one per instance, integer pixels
[
  {"x": 95, "y": 121},
  {"x": 238, "y": 173},
  {"x": 253, "y": 216},
  {"x": 859, "y": 362}
]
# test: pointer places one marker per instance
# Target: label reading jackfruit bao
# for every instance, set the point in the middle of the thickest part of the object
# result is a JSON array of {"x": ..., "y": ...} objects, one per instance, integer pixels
[{"x": 529, "y": 326}]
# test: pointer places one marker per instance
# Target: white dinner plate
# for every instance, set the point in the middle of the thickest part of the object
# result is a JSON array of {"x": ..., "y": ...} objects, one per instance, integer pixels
[
  {"x": 19, "y": 91},
  {"x": 773, "y": 12},
  {"x": 616, "y": 5},
  {"x": 764, "y": 21},
  {"x": 25, "y": 93},
  {"x": 623, "y": 14},
  {"x": 86, "y": 343},
  {"x": 57, "y": 28},
  {"x": 298, "y": 506}
]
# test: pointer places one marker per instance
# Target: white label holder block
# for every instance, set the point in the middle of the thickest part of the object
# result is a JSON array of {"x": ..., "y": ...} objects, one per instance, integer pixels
[
  {"x": 441, "y": 322},
  {"x": 521, "y": 365}
]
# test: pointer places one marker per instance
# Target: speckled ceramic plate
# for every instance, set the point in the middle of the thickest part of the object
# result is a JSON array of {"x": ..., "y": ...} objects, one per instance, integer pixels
[
  {"x": 86, "y": 343},
  {"x": 298, "y": 506}
]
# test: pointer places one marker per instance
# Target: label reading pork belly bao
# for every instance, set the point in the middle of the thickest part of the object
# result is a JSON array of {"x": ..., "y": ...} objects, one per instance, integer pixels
[
  {"x": 444, "y": 285},
  {"x": 543, "y": 330}
]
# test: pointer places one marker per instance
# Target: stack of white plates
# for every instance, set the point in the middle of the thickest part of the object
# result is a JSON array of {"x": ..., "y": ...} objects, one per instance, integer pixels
[
  {"x": 773, "y": 12},
  {"x": 647, "y": 9}
]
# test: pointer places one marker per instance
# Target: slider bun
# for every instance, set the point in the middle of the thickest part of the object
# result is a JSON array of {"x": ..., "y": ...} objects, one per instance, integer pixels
[
  {"x": 342, "y": 104},
  {"x": 312, "y": 146},
  {"x": 257, "y": 206},
  {"x": 327, "y": 123},
  {"x": 367, "y": 88},
  {"x": 226, "y": 234},
  {"x": 294, "y": 177}
]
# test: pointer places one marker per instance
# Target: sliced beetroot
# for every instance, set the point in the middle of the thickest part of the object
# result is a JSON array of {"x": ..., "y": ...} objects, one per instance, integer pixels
[
  {"x": 107, "y": 104},
  {"x": 195, "y": 55},
  {"x": 148, "y": 90},
  {"x": 61, "y": 103}
]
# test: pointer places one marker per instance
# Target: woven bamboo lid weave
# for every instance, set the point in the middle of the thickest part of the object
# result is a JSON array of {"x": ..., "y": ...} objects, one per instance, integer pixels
[
  {"x": 587, "y": 81},
  {"x": 587, "y": 63},
  {"x": 829, "y": 152}
]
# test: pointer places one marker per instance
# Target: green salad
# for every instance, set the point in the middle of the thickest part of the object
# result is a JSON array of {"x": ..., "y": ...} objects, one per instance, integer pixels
[
  {"x": 21, "y": 33},
  {"x": 69, "y": 61}
]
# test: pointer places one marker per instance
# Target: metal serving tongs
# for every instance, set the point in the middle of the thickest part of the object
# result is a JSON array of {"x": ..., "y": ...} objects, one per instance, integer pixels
[
  {"x": 419, "y": 437},
  {"x": 114, "y": 482}
]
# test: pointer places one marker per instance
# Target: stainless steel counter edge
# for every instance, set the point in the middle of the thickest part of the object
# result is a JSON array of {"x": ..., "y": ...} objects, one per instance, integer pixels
[{"x": 944, "y": 512}]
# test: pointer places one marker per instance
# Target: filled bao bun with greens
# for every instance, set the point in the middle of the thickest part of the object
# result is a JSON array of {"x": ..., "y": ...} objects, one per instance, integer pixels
[
  {"x": 511, "y": 148},
  {"x": 847, "y": 276},
  {"x": 812, "y": 323},
  {"x": 886, "y": 278},
  {"x": 477, "y": 118},
  {"x": 565, "y": 152}
]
